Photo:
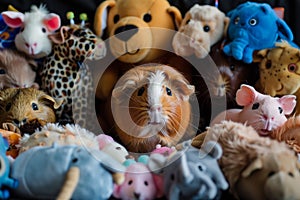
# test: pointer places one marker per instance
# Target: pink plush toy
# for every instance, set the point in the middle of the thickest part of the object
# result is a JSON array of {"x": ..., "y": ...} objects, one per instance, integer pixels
[
  {"x": 263, "y": 112},
  {"x": 35, "y": 25},
  {"x": 140, "y": 183}
]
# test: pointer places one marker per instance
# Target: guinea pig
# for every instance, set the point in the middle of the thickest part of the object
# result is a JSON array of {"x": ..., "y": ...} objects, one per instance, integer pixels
[
  {"x": 263, "y": 112},
  {"x": 16, "y": 70},
  {"x": 21, "y": 106},
  {"x": 151, "y": 105}
]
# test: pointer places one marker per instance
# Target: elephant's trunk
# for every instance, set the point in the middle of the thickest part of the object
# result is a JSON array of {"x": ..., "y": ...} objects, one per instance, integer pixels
[{"x": 71, "y": 181}]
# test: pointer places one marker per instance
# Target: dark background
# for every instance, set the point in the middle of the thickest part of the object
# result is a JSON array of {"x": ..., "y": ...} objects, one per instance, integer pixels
[{"x": 61, "y": 7}]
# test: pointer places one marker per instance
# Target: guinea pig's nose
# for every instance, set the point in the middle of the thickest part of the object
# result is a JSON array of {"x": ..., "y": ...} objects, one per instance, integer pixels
[
  {"x": 131, "y": 30},
  {"x": 155, "y": 108}
]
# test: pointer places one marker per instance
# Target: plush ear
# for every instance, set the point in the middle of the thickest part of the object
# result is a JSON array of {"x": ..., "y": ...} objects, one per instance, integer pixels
[
  {"x": 255, "y": 165},
  {"x": 260, "y": 55},
  {"x": 101, "y": 16},
  {"x": 117, "y": 191},
  {"x": 159, "y": 184},
  {"x": 52, "y": 22},
  {"x": 246, "y": 95},
  {"x": 13, "y": 19},
  {"x": 48, "y": 99},
  {"x": 284, "y": 30},
  {"x": 213, "y": 149},
  {"x": 226, "y": 24},
  {"x": 59, "y": 37},
  {"x": 176, "y": 14},
  {"x": 266, "y": 8},
  {"x": 288, "y": 103}
]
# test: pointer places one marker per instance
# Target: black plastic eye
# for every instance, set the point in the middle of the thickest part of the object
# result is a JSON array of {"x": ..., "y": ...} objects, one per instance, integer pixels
[
  {"x": 252, "y": 22},
  {"x": 172, "y": 177},
  {"x": 169, "y": 91},
  {"x": 236, "y": 20},
  {"x": 280, "y": 110},
  {"x": 130, "y": 182},
  {"x": 200, "y": 168},
  {"x": 268, "y": 64},
  {"x": 255, "y": 106},
  {"x": 141, "y": 91},
  {"x": 292, "y": 67},
  {"x": 44, "y": 30},
  {"x": 2, "y": 71},
  {"x": 271, "y": 174},
  {"x": 34, "y": 106},
  {"x": 232, "y": 67},
  {"x": 74, "y": 160},
  {"x": 116, "y": 18},
  {"x": 206, "y": 28},
  {"x": 147, "y": 17},
  {"x": 146, "y": 183},
  {"x": 7, "y": 107}
]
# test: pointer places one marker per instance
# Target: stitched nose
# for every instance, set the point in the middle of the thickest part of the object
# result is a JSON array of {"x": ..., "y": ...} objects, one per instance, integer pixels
[{"x": 131, "y": 30}]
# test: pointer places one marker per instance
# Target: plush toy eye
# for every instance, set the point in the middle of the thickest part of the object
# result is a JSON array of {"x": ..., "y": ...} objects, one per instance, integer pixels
[
  {"x": 146, "y": 183},
  {"x": 169, "y": 91},
  {"x": 44, "y": 30},
  {"x": 232, "y": 67},
  {"x": 141, "y": 91},
  {"x": 130, "y": 182},
  {"x": 268, "y": 64},
  {"x": 7, "y": 107},
  {"x": 172, "y": 177},
  {"x": 74, "y": 160},
  {"x": 280, "y": 110},
  {"x": 292, "y": 67},
  {"x": 2, "y": 71},
  {"x": 116, "y": 18},
  {"x": 252, "y": 22},
  {"x": 255, "y": 106},
  {"x": 187, "y": 21},
  {"x": 206, "y": 28},
  {"x": 236, "y": 20},
  {"x": 34, "y": 106},
  {"x": 147, "y": 17}
]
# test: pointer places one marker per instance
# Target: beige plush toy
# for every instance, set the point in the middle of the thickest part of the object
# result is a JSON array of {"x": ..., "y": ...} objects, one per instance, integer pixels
[
  {"x": 202, "y": 27},
  {"x": 256, "y": 167}
]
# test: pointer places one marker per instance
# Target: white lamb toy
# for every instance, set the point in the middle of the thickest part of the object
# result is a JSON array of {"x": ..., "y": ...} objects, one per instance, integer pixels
[{"x": 35, "y": 25}]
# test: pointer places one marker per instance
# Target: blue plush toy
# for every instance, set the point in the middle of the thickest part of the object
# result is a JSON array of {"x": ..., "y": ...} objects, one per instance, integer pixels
[
  {"x": 254, "y": 26},
  {"x": 5, "y": 181}
]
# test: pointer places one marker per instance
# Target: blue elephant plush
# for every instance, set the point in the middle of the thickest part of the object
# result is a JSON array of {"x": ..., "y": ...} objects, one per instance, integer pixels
[{"x": 254, "y": 26}]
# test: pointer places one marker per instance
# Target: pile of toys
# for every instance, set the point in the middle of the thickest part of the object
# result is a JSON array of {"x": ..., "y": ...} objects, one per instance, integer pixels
[{"x": 148, "y": 103}]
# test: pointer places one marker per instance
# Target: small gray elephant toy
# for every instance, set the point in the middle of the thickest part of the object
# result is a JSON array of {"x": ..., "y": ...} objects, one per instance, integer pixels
[
  {"x": 64, "y": 172},
  {"x": 193, "y": 174}
]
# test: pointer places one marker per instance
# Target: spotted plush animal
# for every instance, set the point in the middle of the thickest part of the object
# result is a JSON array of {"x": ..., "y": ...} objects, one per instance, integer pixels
[
  {"x": 65, "y": 76},
  {"x": 279, "y": 71}
]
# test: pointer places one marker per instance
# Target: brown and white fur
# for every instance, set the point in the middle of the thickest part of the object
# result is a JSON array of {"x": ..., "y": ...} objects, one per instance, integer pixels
[{"x": 150, "y": 106}]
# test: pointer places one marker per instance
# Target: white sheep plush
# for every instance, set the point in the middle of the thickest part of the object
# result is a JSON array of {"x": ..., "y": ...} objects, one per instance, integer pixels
[{"x": 35, "y": 25}]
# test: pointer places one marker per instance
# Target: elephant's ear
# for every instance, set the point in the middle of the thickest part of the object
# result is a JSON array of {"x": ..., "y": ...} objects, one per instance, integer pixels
[
  {"x": 213, "y": 149},
  {"x": 284, "y": 30}
]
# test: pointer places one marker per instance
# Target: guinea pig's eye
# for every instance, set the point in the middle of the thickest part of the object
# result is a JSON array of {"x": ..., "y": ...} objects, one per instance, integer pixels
[
  {"x": 232, "y": 67},
  {"x": 206, "y": 28},
  {"x": 44, "y": 30},
  {"x": 252, "y": 22},
  {"x": 255, "y": 106},
  {"x": 292, "y": 67},
  {"x": 268, "y": 64},
  {"x": 147, "y": 17},
  {"x": 169, "y": 91},
  {"x": 187, "y": 21},
  {"x": 130, "y": 182},
  {"x": 7, "y": 107},
  {"x": 280, "y": 110},
  {"x": 34, "y": 106},
  {"x": 116, "y": 18},
  {"x": 236, "y": 20},
  {"x": 141, "y": 91},
  {"x": 146, "y": 183},
  {"x": 2, "y": 71}
]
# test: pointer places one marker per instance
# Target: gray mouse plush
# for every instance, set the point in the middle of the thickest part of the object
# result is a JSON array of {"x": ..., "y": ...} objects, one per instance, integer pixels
[{"x": 64, "y": 172}]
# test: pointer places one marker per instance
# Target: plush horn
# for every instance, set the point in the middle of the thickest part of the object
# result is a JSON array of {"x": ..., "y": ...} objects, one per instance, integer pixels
[{"x": 72, "y": 178}]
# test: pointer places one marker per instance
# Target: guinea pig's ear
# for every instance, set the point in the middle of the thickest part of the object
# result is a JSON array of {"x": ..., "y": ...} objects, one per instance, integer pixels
[
  {"x": 176, "y": 14},
  {"x": 119, "y": 91},
  {"x": 246, "y": 95},
  {"x": 288, "y": 103},
  {"x": 56, "y": 103},
  {"x": 184, "y": 89}
]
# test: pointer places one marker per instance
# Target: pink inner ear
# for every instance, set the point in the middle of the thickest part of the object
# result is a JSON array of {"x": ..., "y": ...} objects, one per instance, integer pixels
[
  {"x": 288, "y": 103},
  {"x": 52, "y": 23},
  {"x": 245, "y": 95},
  {"x": 12, "y": 22}
]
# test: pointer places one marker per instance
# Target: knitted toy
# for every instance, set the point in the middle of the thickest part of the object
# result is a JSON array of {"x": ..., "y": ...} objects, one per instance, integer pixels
[
  {"x": 36, "y": 25},
  {"x": 200, "y": 29},
  {"x": 279, "y": 71},
  {"x": 255, "y": 167},
  {"x": 254, "y": 26}
]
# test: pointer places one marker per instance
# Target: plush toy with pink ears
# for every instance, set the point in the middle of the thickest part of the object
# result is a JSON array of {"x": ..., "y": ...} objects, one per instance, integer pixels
[
  {"x": 35, "y": 25},
  {"x": 263, "y": 112}
]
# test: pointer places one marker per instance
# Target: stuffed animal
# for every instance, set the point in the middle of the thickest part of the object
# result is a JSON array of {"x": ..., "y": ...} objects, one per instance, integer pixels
[
  {"x": 254, "y": 26},
  {"x": 139, "y": 32},
  {"x": 255, "y": 167},
  {"x": 17, "y": 70},
  {"x": 151, "y": 105},
  {"x": 201, "y": 28},
  {"x": 21, "y": 107},
  {"x": 192, "y": 173},
  {"x": 65, "y": 75},
  {"x": 13, "y": 140},
  {"x": 263, "y": 112},
  {"x": 279, "y": 71},
  {"x": 139, "y": 183},
  {"x": 7, "y": 35},
  {"x": 69, "y": 134},
  {"x": 36, "y": 26},
  {"x": 64, "y": 172},
  {"x": 6, "y": 182}
]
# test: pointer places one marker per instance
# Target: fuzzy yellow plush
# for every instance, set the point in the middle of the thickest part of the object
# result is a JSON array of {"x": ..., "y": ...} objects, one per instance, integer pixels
[
  {"x": 279, "y": 71},
  {"x": 255, "y": 167},
  {"x": 201, "y": 28}
]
